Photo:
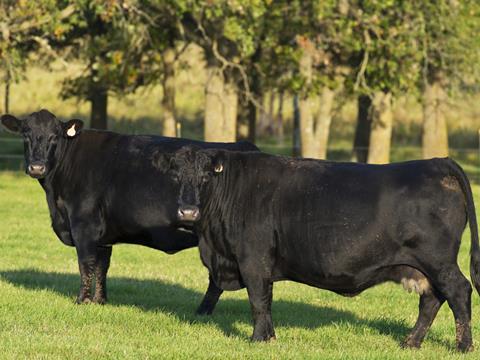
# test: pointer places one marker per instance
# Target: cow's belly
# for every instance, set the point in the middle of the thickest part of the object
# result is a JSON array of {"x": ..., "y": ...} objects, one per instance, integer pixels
[
  {"x": 164, "y": 238},
  {"x": 348, "y": 249},
  {"x": 340, "y": 254}
]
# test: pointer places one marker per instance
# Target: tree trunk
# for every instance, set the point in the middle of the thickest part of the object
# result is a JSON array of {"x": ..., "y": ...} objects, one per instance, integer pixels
[
  {"x": 362, "y": 130},
  {"x": 7, "y": 93},
  {"x": 278, "y": 124},
  {"x": 435, "y": 135},
  {"x": 270, "y": 118},
  {"x": 306, "y": 126},
  {"x": 296, "y": 151},
  {"x": 221, "y": 103},
  {"x": 242, "y": 119},
  {"x": 324, "y": 120},
  {"x": 264, "y": 126},
  {"x": 305, "y": 106},
  {"x": 168, "y": 100},
  {"x": 253, "y": 112},
  {"x": 381, "y": 131},
  {"x": 314, "y": 130},
  {"x": 99, "y": 101},
  {"x": 252, "y": 121}
]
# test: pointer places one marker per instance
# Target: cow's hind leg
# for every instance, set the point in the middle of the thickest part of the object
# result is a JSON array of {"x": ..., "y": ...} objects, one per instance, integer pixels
[
  {"x": 210, "y": 299},
  {"x": 457, "y": 290},
  {"x": 428, "y": 308},
  {"x": 101, "y": 268}
]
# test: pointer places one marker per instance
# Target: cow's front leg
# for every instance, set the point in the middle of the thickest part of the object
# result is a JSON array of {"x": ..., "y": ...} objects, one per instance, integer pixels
[
  {"x": 260, "y": 297},
  {"x": 210, "y": 299},
  {"x": 101, "y": 268},
  {"x": 86, "y": 264},
  {"x": 85, "y": 236}
]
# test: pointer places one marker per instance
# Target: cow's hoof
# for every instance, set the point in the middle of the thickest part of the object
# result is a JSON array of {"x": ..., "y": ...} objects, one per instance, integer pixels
[
  {"x": 99, "y": 300},
  {"x": 263, "y": 338},
  {"x": 465, "y": 347},
  {"x": 82, "y": 300},
  {"x": 411, "y": 343},
  {"x": 204, "y": 310}
]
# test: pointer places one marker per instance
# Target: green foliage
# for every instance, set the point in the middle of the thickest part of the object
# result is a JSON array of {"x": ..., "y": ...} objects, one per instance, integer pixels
[
  {"x": 24, "y": 27},
  {"x": 450, "y": 42},
  {"x": 100, "y": 36},
  {"x": 385, "y": 52}
]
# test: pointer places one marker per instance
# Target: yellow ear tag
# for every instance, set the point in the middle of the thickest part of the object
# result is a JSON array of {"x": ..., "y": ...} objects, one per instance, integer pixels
[
  {"x": 218, "y": 168},
  {"x": 71, "y": 132}
]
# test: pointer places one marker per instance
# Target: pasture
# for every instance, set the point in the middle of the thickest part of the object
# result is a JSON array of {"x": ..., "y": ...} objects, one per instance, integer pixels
[{"x": 153, "y": 296}]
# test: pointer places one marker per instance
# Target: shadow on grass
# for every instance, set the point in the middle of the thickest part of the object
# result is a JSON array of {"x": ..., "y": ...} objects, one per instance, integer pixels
[{"x": 156, "y": 295}]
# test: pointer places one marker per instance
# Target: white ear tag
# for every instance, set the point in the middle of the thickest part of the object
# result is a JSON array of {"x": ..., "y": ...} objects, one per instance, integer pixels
[
  {"x": 71, "y": 132},
  {"x": 218, "y": 168}
]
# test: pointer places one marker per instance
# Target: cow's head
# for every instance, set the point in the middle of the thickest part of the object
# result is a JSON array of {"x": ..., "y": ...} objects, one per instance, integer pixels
[
  {"x": 192, "y": 168},
  {"x": 42, "y": 134}
]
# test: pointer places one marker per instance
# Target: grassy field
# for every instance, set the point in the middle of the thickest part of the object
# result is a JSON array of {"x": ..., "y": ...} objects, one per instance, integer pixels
[{"x": 152, "y": 298}]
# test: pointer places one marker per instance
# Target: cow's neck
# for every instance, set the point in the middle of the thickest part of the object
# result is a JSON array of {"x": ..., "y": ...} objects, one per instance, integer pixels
[
  {"x": 54, "y": 182},
  {"x": 221, "y": 196}
]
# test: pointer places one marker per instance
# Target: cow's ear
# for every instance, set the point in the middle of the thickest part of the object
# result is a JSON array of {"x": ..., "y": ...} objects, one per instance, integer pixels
[
  {"x": 162, "y": 161},
  {"x": 72, "y": 128},
  {"x": 12, "y": 124}
]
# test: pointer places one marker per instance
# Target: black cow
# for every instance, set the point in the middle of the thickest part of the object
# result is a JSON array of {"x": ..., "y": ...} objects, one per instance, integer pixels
[
  {"x": 102, "y": 190},
  {"x": 343, "y": 227}
]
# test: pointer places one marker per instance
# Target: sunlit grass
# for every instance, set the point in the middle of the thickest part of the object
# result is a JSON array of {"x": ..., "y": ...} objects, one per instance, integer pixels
[{"x": 152, "y": 298}]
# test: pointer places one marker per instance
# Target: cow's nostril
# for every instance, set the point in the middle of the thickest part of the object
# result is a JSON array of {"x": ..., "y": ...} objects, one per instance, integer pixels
[
  {"x": 188, "y": 213},
  {"x": 36, "y": 169}
]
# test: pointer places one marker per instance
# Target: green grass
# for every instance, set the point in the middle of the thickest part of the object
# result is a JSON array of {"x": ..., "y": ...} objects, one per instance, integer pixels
[{"x": 152, "y": 298}]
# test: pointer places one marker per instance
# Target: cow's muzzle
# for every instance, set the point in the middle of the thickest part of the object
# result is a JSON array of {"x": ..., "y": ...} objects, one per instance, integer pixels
[
  {"x": 188, "y": 213},
  {"x": 36, "y": 170}
]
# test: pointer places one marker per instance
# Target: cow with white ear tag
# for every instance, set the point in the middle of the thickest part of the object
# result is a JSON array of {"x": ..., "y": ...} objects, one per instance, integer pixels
[{"x": 102, "y": 189}]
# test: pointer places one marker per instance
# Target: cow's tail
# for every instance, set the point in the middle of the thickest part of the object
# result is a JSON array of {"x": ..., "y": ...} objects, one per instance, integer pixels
[{"x": 472, "y": 221}]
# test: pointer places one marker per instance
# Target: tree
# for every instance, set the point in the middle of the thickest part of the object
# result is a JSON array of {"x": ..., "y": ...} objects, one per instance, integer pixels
[
  {"x": 108, "y": 37},
  {"x": 449, "y": 44},
  {"x": 386, "y": 60},
  {"x": 361, "y": 140},
  {"x": 89, "y": 33},
  {"x": 24, "y": 27},
  {"x": 239, "y": 39},
  {"x": 161, "y": 43},
  {"x": 205, "y": 24},
  {"x": 319, "y": 67}
]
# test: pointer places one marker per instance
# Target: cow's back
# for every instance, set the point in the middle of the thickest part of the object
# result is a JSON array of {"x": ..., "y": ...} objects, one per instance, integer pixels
[{"x": 111, "y": 176}]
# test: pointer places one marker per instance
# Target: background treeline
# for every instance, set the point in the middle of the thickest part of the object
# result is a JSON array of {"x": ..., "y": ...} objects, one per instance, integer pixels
[{"x": 275, "y": 70}]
